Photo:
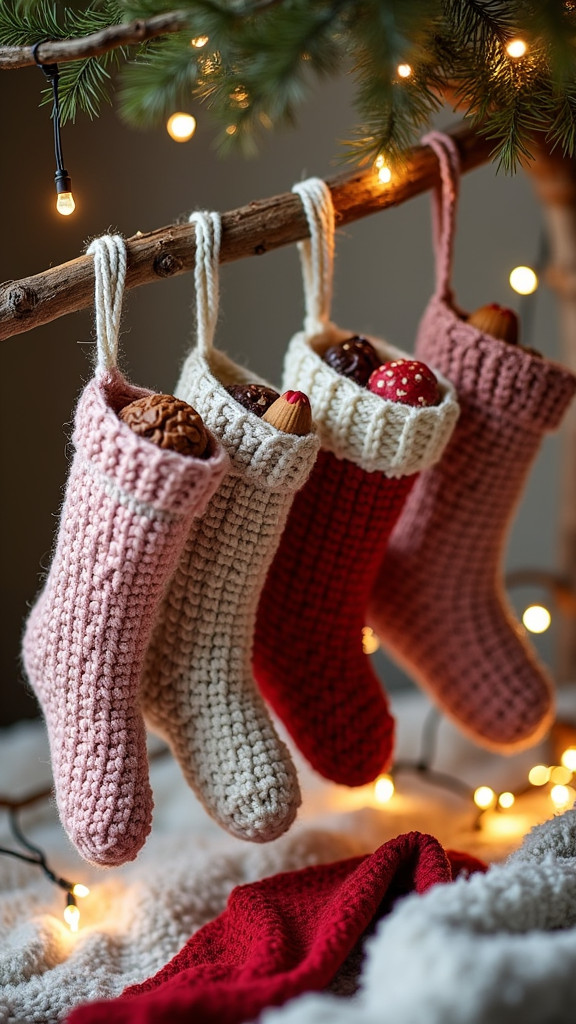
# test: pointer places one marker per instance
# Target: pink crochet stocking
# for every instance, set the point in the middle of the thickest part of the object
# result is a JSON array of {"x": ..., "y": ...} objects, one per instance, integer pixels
[
  {"x": 126, "y": 515},
  {"x": 439, "y": 603}
]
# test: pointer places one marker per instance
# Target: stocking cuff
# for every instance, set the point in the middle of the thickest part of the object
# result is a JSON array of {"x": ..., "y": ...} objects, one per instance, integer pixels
[
  {"x": 257, "y": 450},
  {"x": 494, "y": 374},
  {"x": 353, "y": 423},
  {"x": 158, "y": 481}
]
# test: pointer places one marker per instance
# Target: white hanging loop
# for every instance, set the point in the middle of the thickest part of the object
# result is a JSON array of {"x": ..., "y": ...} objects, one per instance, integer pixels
[
  {"x": 206, "y": 279},
  {"x": 317, "y": 252},
  {"x": 109, "y": 253}
]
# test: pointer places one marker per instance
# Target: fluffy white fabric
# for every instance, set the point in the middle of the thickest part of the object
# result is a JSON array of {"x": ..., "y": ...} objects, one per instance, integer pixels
[{"x": 494, "y": 948}]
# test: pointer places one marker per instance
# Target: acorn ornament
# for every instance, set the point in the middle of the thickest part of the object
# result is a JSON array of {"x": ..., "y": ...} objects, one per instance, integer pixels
[
  {"x": 355, "y": 358},
  {"x": 169, "y": 423},
  {"x": 496, "y": 320},
  {"x": 290, "y": 413},
  {"x": 407, "y": 381}
]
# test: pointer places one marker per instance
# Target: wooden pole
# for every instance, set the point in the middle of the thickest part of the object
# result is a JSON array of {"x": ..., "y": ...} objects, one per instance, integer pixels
[{"x": 251, "y": 230}]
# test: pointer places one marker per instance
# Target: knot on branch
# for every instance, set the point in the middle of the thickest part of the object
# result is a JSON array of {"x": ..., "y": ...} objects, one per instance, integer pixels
[
  {"x": 167, "y": 265},
  {"x": 20, "y": 301}
]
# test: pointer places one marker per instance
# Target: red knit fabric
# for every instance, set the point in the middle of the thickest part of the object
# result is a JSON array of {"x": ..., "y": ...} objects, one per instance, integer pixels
[
  {"x": 439, "y": 602},
  {"x": 308, "y": 659},
  {"x": 280, "y": 937}
]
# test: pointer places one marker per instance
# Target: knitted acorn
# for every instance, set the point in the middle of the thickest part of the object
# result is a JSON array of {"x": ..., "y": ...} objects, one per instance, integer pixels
[{"x": 290, "y": 413}]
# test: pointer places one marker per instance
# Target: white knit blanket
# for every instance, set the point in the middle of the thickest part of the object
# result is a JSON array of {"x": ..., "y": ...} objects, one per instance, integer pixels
[{"x": 489, "y": 949}]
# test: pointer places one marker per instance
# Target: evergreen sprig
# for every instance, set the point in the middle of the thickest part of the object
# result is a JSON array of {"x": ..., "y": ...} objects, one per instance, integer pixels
[{"x": 264, "y": 55}]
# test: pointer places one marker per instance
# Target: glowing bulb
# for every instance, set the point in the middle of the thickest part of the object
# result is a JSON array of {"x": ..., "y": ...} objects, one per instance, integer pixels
[
  {"x": 561, "y": 795},
  {"x": 506, "y": 799},
  {"x": 231, "y": 129},
  {"x": 536, "y": 618},
  {"x": 404, "y": 70},
  {"x": 560, "y": 775},
  {"x": 65, "y": 203},
  {"x": 539, "y": 775},
  {"x": 72, "y": 917},
  {"x": 370, "y": 642},
  {"x": 384, "y": 789},
  {"x": 516, "y": 48},
  {"x": 384, "y": 172},
  {"x": 181, "y": 127},
  {"x": 80, "y": 890},
  {"x": 484, "y": 797},
  {"x": 568, "y": 758},
  {"x": 199, "y": 42},
  {"x": 523, "y": 280}
]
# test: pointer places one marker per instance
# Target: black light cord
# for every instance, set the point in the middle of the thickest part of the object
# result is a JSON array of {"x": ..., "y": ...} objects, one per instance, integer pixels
[{"x": 52, "y": 73}]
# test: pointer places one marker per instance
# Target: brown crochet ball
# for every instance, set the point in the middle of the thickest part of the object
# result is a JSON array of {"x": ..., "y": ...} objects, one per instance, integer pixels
[
  {"x": 169, "y": 423},
  {"x": 257, "y": 398},
  {"x": 355, "y": 358}
]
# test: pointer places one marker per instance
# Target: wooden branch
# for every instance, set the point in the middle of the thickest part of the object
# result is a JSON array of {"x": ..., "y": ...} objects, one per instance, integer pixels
[
  {"x": 555, "y": 180},
  {"x": 62, "y": 50},
  {"x": 251, "y": 230}
]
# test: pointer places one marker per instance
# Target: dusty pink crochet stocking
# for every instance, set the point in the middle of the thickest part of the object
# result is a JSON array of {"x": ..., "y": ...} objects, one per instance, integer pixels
[
  {"x": 126, "y": 515},
  {"x": 439, "y": 603}
]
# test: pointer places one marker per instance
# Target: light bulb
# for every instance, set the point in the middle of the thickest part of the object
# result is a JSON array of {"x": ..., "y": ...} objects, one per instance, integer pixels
[
  {"x": 199, "y": 42},
  {"x": 506, "y": 799},
  {"x": 516, "y": 48},
  {"x": 539, "y": 775},
  {"x": 181, "y": 127},
  {"x": 523, "y": 280},
  {"x": 404, "y": 70},
  {"x": 568, "y": 758},
  {"x": 484, "y": 797},
  {"x": 536, "y": 618},
  {"x": 561, "y": 795},
  {"x": 80, "y": 890},
  {"x": 560, "y": 775},
  {"x": 370, "y": 642},
  {"x": 65, "y": 203},
  {"x": 72, "y": 917},
  {"x": 231, "y": 129},
  {"x": 383, "y": 171},
  {"x": 384, "y": 789}
]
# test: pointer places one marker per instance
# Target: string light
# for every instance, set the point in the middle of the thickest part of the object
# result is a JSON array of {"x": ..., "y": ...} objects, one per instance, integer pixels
[
  {"x": 370, "y": 641},
  {"x": 404, "y": 70},
  {"x": 484, "y": 797},
  {"x": 560, "y": 775},
  {"x": 382, "y": 170},
  {"x": 561, "y": 795},
  {"x": 181, "y": 127},
  {"x": 231, "y": 129},
  {"x": 523, "y": 280},
  {"x": 516, "y": 48},
  {"x": 539, "y": 775},
  {"x": 65, "y": 204},
  {"x": 506, "y": 800},
  {"x": 536, "y": 618},
  {"x": 384, "y": 789},
  {"x": 71, "y": 913},
  {"x": 80, "y": 890},
  {"x": 199, "y": 42},
  {"x": 568, "y": 758}
]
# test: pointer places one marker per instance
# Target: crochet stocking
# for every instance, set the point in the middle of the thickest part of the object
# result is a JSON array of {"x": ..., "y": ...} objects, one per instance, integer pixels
[
  {"x": 439, "y": 603},
  {"x": 199, "y": 691},
  {"x": 280, "y": 937},
  {"x": 308, "y": 657},
  {"x": 126, "y": 515}
]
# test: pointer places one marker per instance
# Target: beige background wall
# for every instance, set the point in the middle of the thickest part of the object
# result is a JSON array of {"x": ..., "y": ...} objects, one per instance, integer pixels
[{"x": 125, "y": 180}]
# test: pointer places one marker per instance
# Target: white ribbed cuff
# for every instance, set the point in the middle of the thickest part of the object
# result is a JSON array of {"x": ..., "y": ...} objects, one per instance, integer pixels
[{"x": 353, "y": 423}]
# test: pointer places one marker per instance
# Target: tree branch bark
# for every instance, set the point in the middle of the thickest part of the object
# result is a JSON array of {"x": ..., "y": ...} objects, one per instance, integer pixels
[
  {"x": 62, "y": 50},
  {"x": 251, "y": 230}
]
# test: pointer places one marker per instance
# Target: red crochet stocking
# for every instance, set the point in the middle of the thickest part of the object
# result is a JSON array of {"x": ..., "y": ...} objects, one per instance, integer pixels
[
  {"x": 280, "y": 937},
  {"x": 308, "y": 657}
]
